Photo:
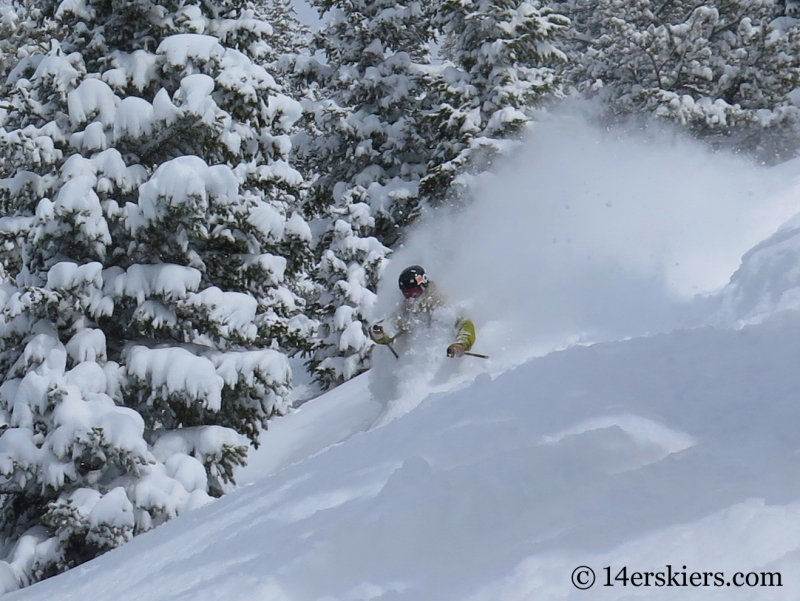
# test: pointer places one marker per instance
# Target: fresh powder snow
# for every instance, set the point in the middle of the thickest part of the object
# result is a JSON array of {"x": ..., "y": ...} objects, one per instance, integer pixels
[
  {"x": 648, "y": 444},
  {"x": 677, "y": 449}
]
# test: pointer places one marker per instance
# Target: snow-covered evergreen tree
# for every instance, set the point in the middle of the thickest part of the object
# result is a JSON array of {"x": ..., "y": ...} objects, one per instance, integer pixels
[
  {"x": 155, "y": 265},
  {"x": 501, "y": 55},
  {"x": 724, "y": 68},
  {"x": 366, "y": 147},
  {"x": 348, "y": 271},
  {"x": 377, "y": 54}
]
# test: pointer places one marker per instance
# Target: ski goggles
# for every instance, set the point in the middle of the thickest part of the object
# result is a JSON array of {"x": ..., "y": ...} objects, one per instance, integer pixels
[{"x": 412, "y": 291}]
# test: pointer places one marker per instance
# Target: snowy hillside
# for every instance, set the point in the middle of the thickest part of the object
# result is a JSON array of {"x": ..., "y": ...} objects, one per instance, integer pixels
[
  {"x": 205, "y": 209},
  {"x": 768, "y": 279},
  {"x": 678, "y": 449},
  {"x": 498, "y": 480}
]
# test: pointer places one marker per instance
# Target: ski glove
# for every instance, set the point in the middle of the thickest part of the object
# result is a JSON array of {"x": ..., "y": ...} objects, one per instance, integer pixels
[
  {"x": 455, "y": 350},
  {"x": 378, "y": 335}
]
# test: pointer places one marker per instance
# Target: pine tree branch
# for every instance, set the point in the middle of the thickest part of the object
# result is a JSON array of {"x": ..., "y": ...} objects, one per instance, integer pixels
[
  {"x": 5, "y": 490},
  {"x": 664, "y": 6}
]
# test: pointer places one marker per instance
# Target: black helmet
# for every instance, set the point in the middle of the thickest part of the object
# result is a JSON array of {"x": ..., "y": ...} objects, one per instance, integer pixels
[{"x": 413, "y": 281}]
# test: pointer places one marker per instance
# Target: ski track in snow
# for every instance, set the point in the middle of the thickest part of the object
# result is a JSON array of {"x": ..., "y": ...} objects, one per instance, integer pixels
[{"x": 676, "y": 449}]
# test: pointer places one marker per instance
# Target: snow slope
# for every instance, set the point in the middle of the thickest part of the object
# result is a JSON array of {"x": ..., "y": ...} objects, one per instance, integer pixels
[
  {"x": 768, "y": 279},
  {"x": 680, "y": 449},
  {"x": 311, "y": 428}
]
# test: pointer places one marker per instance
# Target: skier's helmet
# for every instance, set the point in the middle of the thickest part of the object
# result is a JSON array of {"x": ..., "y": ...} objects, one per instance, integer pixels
[{"x": 413, "y": 281}]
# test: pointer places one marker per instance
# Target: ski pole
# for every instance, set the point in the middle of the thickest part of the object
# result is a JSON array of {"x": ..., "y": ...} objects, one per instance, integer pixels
[
  {"x": 476, "y": 355},
  {"x": 394, "y": 352}
]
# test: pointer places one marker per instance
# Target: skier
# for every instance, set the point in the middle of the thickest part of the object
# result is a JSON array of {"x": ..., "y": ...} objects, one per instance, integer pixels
[{"x": 421, "y": 300}]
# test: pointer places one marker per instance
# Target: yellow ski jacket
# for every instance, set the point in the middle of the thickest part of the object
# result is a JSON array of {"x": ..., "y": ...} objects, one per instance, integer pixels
[{"x": 412, "y": 311}]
